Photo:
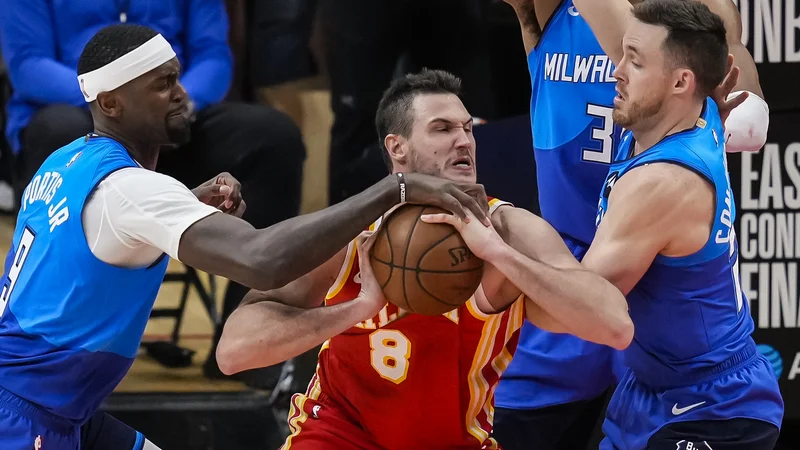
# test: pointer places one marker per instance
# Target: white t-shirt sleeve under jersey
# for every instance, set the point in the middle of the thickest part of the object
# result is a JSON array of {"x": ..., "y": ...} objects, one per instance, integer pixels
[{"x": 135, "y": 214}]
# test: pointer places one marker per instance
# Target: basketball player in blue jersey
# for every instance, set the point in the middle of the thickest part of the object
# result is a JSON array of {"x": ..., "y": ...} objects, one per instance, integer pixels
[
  {"x": 665, "y": 238},
  {"x": 96, "y": 229},
  {"x": 552, "y": 393}
]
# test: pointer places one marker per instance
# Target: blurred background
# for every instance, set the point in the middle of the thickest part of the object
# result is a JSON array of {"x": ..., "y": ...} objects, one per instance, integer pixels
[{"x": 297, "y": 82}]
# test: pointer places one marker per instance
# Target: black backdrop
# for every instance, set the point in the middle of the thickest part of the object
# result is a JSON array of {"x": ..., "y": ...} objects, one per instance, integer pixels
[{"x": 767, "y": 187}]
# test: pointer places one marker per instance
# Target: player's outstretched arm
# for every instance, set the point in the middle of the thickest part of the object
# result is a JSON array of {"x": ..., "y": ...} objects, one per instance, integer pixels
[
  {"x": 748, "y": 76},
  {"x": 532, "y": 16},
  {"x": 274, "y": 326},
  {"x": 558, "y": 290},
  {"x": 746, "y": 124},
  {"x": 270, "y": 258},
  {"x": 538, "y": 263},
  {"x": 658, "y": 208},
  {"x": 609, "y": 20}
]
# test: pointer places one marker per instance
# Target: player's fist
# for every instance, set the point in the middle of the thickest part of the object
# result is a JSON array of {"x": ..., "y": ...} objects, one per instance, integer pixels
[
  {"x": 458, "y": 198},
  {"x": 223, "y": 192}
]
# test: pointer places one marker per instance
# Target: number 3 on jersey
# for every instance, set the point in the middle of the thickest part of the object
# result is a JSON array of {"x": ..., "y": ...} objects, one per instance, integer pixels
[
  {"x": 23, "y": 250},
  {"x": 602, "y": 134},
  {"x": 389, "y": 353}
]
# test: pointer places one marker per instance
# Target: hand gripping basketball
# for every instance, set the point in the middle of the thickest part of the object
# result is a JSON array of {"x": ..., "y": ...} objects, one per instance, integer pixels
[
  {"x": 479, "y": 238},
  {"x": 454, "y": 197},
  {"x": 371, "y": 295},
  {"x": 423, "y": 268}
]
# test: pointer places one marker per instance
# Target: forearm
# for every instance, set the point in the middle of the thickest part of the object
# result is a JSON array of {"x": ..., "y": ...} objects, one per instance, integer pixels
[
  {"x": 268, "y": 333},
  {"x": 748, "y": 73},
  {"x": 61, "y": 87},
  {"x": 608, "y": 19},
  {"x": 29, "y": 49},
  {"x": 747, "y": 125},
  {"x": 208, "y": 82},
  {"x": 541, "y": 319},
  {"x": 588, "y": 305},
  {"x": 297, "y": 245}
]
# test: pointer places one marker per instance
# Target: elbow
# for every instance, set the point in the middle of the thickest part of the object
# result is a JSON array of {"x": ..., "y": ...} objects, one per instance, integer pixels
[
  {"x": 233, "y": 349},
  {"x": 621, "y": 333},
  {"x": 230, "y": 352}
]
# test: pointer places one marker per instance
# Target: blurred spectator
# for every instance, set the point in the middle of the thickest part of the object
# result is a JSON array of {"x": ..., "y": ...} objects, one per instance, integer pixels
[
  {"x": 280, "y": 53},
  {"x": 42, "y": 41},
  {"x": 6, "y": 159},
  {"x": 364, "y": 41}
]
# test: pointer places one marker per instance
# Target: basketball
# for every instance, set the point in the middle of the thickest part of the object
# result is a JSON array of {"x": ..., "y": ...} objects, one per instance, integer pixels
[{"x": 425, "y": 268}]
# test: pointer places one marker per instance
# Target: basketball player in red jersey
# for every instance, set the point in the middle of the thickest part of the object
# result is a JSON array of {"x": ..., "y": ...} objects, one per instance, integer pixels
[{"x": 387, "y": 379}]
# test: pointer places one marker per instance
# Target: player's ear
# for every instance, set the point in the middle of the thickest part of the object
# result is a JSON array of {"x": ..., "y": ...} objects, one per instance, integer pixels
[
  {"x": 108, "y": 103},
  {"x": 684, "y": 82},
  {"x": 397, "y": 147}
]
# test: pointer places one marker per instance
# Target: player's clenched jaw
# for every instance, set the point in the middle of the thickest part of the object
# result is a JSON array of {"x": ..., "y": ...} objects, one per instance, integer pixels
[
  {"x": 441, "y": 141},
  {"x": 642, "y": 80},
  {"x": 424, "y": 127},
  {"x": 155, "y": 105}
]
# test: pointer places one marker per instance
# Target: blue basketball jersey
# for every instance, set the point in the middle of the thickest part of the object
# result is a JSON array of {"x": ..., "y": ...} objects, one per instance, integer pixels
[
  {"x": 690, "y": 312},
  {"x": 692, "y": 357},
  {"x": 574, "y": 139},
  {"x": 573, "y": 134},
  {"x": 70, "y": 324}
]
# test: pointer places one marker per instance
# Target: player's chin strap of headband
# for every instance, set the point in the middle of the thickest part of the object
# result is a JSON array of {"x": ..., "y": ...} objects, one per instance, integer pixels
[
  {"x": 133, "y": 64},
  {"x": 747, "y": 124}
]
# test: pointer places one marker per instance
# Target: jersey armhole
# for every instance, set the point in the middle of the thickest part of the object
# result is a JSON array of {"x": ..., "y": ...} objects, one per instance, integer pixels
[
  {"x": 344, "y": 272},
  {"x": 703, "y": 254},
  {"x": 547, "y": 25}
]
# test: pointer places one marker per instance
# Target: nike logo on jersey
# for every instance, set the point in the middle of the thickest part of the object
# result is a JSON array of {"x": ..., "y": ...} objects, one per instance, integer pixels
[
  {"x": 678, "y": 411},
  {"x": 357, "y": 278},
  {"x": 573, "y": 11}
]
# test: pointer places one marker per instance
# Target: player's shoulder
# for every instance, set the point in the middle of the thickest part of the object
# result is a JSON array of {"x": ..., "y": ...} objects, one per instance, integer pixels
[
  {"x": 144, "y": 188},
  {"x": 657, "y": 185},
  {"x": 139, "y": 178},
  {"x": 660, "y": 176}
]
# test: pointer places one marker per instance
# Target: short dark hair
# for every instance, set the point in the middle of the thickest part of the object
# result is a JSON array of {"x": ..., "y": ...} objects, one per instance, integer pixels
[
  {"x": 112, "y": 42},
  {"x": 394, "y": 114},
  {"x": 695, "y": 38}
]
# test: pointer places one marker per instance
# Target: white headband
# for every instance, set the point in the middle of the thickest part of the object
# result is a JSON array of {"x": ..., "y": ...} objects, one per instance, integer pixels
[{"x": 133, "y": 64}]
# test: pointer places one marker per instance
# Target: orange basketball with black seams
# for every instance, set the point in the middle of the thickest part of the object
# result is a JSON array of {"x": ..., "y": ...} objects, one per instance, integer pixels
[{"x": 424, "y": 268}]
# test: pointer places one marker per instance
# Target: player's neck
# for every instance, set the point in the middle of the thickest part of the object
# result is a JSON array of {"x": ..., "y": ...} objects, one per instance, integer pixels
[
  {"x": 145, "y": 154},
  {"x": 669, "y": 122}
]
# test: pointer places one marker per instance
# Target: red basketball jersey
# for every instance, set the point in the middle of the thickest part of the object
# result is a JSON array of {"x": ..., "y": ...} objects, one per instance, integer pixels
[{"x": 414, "y": 381}]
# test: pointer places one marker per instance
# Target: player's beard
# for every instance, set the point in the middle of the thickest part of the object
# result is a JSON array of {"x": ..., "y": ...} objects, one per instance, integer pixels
[
  {"x": 638, "y": 111},
  {"x": 419, "y": 164},
  {"x": 179, "y": 131}
]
